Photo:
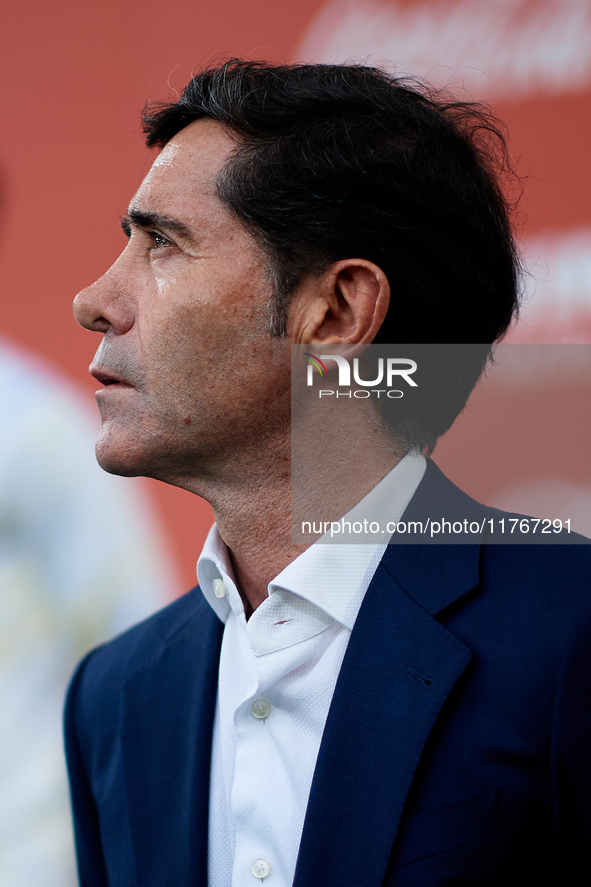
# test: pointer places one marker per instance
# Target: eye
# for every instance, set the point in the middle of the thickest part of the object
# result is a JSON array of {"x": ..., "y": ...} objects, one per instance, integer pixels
[{"x": 158, "y": 240}]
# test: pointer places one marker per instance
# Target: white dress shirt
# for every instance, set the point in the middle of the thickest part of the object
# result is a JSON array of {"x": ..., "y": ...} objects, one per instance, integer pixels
[{"x": 277, "y": 676}]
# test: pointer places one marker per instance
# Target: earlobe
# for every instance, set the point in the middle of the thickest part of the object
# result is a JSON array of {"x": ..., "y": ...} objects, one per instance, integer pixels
[{"x": 347, "y": 304}]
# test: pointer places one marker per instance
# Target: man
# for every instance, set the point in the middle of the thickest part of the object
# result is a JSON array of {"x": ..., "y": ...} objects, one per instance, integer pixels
[{"x": 355, "y": 715}]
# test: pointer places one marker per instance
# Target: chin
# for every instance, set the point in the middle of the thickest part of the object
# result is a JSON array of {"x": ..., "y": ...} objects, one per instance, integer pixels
[
  {"x": 115, "y": 463},
  {"x": 136, "y": 453},
  {"x": 119, "y": 456}
]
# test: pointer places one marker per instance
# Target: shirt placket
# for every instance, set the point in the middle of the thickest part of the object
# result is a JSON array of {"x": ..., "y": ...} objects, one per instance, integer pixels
[{"x": 262, "y": 791}]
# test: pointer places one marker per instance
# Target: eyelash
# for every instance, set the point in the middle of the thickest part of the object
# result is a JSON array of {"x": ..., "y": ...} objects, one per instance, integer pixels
[{"x": 158, "y": 240}]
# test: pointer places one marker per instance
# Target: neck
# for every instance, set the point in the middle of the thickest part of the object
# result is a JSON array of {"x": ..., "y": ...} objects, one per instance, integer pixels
[
  {"x": 252, "y": 496},
  {"x": 257, "y": 533},
  {"x": 256, "y": 525}
]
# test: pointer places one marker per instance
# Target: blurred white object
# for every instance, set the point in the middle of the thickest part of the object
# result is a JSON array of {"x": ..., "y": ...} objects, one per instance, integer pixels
[
  {"x": 80, "y": 560},
  {"x": 496, "y": 49}
]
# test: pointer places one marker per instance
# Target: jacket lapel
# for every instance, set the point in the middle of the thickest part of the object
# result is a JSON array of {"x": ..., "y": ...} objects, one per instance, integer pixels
[
  {"x": 168, "y": 788},
  {"x": 399, "y": 669}
]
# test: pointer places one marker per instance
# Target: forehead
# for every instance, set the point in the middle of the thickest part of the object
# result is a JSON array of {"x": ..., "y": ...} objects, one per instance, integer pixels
[{"x": 182, "y": 178}]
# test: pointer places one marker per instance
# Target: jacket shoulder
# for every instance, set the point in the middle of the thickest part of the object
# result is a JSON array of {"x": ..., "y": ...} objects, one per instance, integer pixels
[{"x": 105, "y": 669}]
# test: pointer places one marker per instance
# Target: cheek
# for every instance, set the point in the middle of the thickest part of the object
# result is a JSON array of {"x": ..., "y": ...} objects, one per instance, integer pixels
[
  {"x": 190, "y": 366},
  {"x": 161, "y": 283},
  {"x": 208, "y": 330}
]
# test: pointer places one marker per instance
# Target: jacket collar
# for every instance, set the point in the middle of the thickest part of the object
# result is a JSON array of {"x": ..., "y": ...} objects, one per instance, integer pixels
[{"x": 437, "y": 572}]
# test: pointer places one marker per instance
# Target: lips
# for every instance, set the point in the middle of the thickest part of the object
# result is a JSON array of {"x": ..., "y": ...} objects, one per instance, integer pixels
[{"x": 106, "y": 377}]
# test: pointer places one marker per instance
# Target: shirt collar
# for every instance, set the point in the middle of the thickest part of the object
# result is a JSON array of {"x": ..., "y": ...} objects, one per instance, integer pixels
[
  {"x": 332, "y": 575},
  {"x": 214, "y": 563}
]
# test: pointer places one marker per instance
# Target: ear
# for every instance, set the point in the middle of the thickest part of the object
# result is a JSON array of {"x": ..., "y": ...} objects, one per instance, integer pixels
[{"x": 346, "y": 304}]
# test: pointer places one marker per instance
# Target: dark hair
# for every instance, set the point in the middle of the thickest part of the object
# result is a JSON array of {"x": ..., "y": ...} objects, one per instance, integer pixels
[{"x": 348, "y": 161}]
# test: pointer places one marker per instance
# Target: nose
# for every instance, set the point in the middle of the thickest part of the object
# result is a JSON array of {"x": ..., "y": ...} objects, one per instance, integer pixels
[{"x": 104, "y": 306}]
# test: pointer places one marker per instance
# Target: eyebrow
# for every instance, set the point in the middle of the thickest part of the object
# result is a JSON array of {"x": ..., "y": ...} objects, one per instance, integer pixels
[{"x": 140, "y": 219}]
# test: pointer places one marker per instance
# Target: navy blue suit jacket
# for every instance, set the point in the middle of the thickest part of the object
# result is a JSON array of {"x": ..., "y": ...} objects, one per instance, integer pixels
[{"x": 457, "y": 749}]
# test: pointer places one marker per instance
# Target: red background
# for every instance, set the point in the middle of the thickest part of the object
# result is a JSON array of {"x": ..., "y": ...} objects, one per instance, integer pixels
[{"x": 74, "y": 78}]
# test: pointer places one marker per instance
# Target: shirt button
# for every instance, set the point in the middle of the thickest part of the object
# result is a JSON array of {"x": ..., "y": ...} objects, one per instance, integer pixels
[
  {"x": 260, "y": 868},
  {"x": 261, "y": 709},
  {"x": 219, "y": 589}
]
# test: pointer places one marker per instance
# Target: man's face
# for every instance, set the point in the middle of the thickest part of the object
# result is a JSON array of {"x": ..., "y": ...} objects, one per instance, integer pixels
[{"x": 192, "y": 376}]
